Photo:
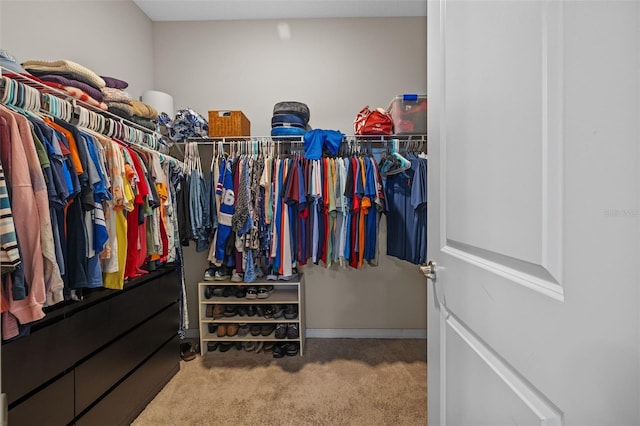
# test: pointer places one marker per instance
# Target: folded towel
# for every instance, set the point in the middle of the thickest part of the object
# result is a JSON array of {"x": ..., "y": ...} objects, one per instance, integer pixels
[
  {"x": 115, "y": 83},
  {"x": 143, "y": 110},
  {"x": 65, "y": 66},
  {"x": 115, "y": 95}
]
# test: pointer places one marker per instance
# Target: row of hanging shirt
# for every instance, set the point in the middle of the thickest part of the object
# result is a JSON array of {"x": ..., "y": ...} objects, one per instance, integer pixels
[
  {"x": 281, "y": 211},
  {"x": 63, "y": 199}
]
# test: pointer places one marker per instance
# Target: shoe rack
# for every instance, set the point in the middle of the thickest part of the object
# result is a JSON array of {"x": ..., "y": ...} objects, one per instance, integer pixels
[{"x": 284, "y": 293}]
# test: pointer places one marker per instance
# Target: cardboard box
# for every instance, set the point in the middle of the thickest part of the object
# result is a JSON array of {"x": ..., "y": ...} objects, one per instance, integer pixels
[
  {"x": 228, "y": 123},
  {"x": 409, "y": 114}
]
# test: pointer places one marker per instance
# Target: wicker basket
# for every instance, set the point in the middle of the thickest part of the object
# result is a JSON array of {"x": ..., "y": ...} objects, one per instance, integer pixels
[{"x": 228, "y": 123}]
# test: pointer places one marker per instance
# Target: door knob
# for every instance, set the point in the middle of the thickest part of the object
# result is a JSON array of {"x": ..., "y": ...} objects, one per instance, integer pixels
[{"x": 429, "y": 270}]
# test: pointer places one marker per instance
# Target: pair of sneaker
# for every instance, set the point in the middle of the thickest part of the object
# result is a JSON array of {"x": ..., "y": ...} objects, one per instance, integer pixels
[
  {"x": 288, "y": 349},
  {"x": 217, "y": 273},
  {"x": 290, "y": 331}
]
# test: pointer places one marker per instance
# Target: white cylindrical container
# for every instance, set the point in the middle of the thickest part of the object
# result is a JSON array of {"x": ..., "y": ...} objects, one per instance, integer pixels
[{"x": 162, "y": 102}]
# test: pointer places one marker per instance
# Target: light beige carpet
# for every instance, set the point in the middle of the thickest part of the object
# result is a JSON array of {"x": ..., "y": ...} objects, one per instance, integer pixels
[{"x": 336, "y": 382}]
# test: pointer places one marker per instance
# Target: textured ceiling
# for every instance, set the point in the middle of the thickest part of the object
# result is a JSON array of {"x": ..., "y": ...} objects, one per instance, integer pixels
[{"x": 213, "y": 10}]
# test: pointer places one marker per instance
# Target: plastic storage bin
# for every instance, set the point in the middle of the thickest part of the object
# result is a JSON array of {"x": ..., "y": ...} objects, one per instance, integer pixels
[{"x": 409, "y": 114}]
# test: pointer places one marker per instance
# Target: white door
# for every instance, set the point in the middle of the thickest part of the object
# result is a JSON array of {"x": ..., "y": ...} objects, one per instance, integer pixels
[{"x": 534, "y": 181}]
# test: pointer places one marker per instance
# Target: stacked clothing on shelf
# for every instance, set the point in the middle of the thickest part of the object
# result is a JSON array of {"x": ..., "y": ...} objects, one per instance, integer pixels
[
  {"x": 70, "y": 77},
  {"x": 290, "y": 118}
]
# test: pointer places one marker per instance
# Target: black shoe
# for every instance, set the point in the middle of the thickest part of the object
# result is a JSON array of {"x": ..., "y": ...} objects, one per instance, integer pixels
[
  {"x": 230, "y": 311},
  {"x": 267, "y": 329},
  {"x": 242, "y": 310},
  {"x": 225, "y": 346},
  {"x": 259, "y": 310},
  {"x": 291, "y": 349},
  {"x": 251, "y": 311},
  {"x": 255, "y": 329},
  {"x": 212, "y": 346},
  {"x": 212, "y": 327},
  {"x": 291, "y": 311},
  {"x": 238, "y": 345},
  {"x": 239, "y": 292},
  {"x": 243, "y": 330},
  {"x": 278, "y": 350},
  {"x": 292, "y": 331},
  {"x": 268, "y": 312},
  {"x": 277, "y": 310},
  {"x": 281, "y": 330},
  {"x": 208, "y": 292}
]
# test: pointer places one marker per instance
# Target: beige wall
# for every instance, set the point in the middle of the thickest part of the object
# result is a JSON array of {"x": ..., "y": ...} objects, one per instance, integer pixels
[
  {"x": 113, "y": 38},
  {"x": 335, "y": 66}
]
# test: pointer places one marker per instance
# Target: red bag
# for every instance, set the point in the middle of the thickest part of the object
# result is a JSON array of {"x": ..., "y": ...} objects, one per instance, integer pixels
[{"x": 373, "y": 122}]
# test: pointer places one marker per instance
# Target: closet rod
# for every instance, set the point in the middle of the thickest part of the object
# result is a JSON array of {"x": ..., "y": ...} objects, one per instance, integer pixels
[{"x": 300, "y": 139}]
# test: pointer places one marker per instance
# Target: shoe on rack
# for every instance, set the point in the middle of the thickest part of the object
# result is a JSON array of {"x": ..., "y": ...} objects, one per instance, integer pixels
[
  {"x": 239, "y": 345},
  {"x": 263, "y": 292},
  {"x": 279, "y": 350},
  {"x": 212, "y": 346},
  {"x": 255, "y": 329},
  {"x": 232, "y": 329},
  {"x": 218, "y": 311},
  {"x": 225, "y": 346},
  {"x": 291, "y": 311},
  {"x": 251, "y": 311},
  {"x": 252, "y": 292},
  {"x": 240, "y": 291},
  {"x": 242, "y": 310},
  {"x": 267, "y": 329},
  {"x": 230, "y": 311},
  {"x": 292, "y": 349},
  {"x": 218, "y": 291},
  {"x": 292, "y": 331},
  {"x": 212, "y": 328},
  {"x": 281, "y": 330},
  {"x": 268, "y": 346},
  {"x": 259, "y": 310},
  {"x": 221, "y": 274},
  {"x": 221, "y": 331},
  {"x": 259, "y": 346},
  {"x": 236, "y": 277},
  {"x": 278, "y": 310},
  {"x": 208, "y": 292},
  {"x": 250, "y": 346},
  {"x": 209, "y": 274},
  {"x": 243, "y": 329},
  {"x": 209, "y": 311},
  {"x": 268, "y": 312}
]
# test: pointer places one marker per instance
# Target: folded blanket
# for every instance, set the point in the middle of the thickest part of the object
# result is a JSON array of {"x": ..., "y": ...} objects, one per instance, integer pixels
[
  {"x": 91, "y": 91},
  {"x": 66, "y": 66},
  {"x": 120, "y": 112},
  {"x": 143, "y": 110},
  {"x": 121, "y": 106},
  {"x": 144, "y": 122},
  {"x": 115, "y": 83},
  {"x": 115, "y": 95}
]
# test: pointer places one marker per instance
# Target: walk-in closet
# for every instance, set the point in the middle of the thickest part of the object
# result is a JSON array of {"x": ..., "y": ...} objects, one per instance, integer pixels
[{"x": 289, "y": 276}]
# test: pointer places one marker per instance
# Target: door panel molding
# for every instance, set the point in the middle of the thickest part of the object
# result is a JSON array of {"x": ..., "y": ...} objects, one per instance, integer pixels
[
  {"x": 546, "y": 277},
  {"x": 540, "y": 405}
]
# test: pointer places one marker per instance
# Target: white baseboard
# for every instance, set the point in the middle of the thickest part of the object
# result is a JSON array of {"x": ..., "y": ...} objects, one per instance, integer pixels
[
  {"x": 348, "y": 333},
  {"x": 366, "y": 333}
]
